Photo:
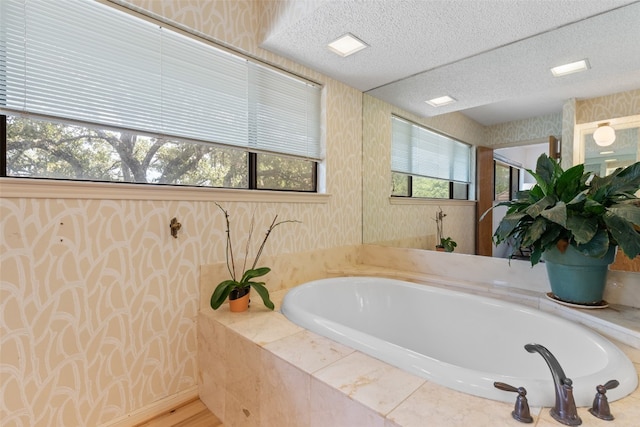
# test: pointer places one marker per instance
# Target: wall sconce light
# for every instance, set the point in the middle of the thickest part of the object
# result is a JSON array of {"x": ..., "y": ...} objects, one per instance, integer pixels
[{"x": 604, "y": 135}]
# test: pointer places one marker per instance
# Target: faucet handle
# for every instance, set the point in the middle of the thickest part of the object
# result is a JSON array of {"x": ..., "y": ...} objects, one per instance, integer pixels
[
  {"x": 521, "y": 409},
  {"x": 505, "y": 387},
  {"x": 600, "y": 406}
]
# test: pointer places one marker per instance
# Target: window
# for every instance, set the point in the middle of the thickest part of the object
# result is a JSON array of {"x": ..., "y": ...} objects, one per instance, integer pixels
[
  {"x": 46, "y": 149},
  {"x": 427, "y": 164},
  {"x": 506, "y": 181},
  {"x": 282, "y": 173},
  {"x": 79, "y": 101}
]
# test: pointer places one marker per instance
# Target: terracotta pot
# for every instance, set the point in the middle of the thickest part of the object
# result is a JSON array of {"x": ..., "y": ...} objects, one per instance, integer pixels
[
  {"x": 239, "y": 300},
  {"x": 440, "y": 248}
]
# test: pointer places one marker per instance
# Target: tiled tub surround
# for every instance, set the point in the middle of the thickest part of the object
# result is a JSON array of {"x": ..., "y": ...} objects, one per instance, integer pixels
[
  {"x": 259, "y": 369},
  {"x": 462, "y": 341}
]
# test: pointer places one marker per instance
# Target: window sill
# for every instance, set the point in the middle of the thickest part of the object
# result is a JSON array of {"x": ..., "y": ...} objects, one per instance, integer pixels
[
  {"x": 52, "y": 189},
  {"x": 435, "y": 202}
]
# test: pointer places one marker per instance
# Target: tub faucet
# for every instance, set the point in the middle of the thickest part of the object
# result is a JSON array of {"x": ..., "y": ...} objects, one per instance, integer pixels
[{"x": 565, "y": 410}]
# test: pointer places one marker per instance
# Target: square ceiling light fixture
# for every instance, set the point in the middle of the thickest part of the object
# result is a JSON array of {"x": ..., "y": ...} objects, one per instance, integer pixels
[
  {"x": 439, "y": 102},
  {"x": 574, "y": 67},
  {"x": 347, "y": 44}
]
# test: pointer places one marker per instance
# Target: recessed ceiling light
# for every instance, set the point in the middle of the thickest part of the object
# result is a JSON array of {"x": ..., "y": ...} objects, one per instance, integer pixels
[
  {"x": 604, "y": 153},
  {"x": 610, "y": 160},
  {"x": 439, "y": 102},
  {"x": 574, "y": 67},
  {"x": 347, "y": 44}
]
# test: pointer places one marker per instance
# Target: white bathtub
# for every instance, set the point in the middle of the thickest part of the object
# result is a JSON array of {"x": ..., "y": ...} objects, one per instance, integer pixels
[{"x": 461, "y": 341}]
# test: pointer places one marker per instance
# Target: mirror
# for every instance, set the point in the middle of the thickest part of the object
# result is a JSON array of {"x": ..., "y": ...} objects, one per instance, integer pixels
[
  {"x": 624, "y": 151},
  {"x": 404, "y": 222}
]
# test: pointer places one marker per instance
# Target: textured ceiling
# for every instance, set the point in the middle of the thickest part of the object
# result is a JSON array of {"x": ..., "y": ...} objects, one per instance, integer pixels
[{"x": 492, "y": 56}]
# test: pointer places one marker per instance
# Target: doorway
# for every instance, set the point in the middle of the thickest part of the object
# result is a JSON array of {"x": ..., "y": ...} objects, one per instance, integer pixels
[{"x": 502, "y": 170}]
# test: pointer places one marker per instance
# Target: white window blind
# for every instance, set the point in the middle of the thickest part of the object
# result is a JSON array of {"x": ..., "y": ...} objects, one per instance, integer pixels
[
  {"x": 89, "y": 62},
  {"x": 284, "y": 113},
  {"x": 416, "y": 150}
]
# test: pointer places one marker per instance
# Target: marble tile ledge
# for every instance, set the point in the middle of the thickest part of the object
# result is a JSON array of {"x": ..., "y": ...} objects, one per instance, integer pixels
[
  {"x": 619, "y": 322},
  {"x": 308, "y": 380}
]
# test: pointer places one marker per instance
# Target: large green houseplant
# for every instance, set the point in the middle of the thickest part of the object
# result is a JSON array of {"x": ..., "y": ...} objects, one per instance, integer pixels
[
  {"x": 574, "y": 218},
  {"x": 239, "y": 285}
]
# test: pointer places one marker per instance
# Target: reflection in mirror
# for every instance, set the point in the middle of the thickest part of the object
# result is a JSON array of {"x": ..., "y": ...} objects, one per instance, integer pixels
[
  {"x": 624, "y": 151},
  {"x": 406, "y": 222},
  {"x": 502, "y": 185},
  {"x": 511, "y": 176},
  {"x": 409, "y": 221},
  {"x": 603, "y": 160}
]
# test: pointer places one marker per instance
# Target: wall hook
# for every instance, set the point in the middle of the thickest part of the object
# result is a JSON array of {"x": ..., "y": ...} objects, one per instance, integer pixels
[{"x": 174, "y": 225}]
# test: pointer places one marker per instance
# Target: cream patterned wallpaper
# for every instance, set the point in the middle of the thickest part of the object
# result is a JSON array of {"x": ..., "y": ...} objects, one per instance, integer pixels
[
  {"x": 608, "y": 107},
  {"x": 520, "y": 131},
  {"x": 98, "y": 302},
  {"x": 568, "y": 126}
]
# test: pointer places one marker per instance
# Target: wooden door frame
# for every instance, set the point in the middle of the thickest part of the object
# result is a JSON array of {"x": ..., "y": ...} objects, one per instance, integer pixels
[{"x": 484, "y": 192}]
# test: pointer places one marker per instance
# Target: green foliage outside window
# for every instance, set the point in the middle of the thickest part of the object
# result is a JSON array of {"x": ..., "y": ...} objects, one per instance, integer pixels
[
  {"x": 284, "y": 173},
  {"x": 429, "y": 187},
  {"x": 400, "y": 184},
  {"x": 502, "y": 182},
  {"x": 45, "y": 149},
  {"x": 420, "y": 187}
]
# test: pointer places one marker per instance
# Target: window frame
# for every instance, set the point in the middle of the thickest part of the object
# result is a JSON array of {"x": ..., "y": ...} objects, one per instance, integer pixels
[
  {"x": 36, "y": 188},
  {"x": 252, "y": 172},
  {"x": 450, "y": 189},
  {"x": 251, "y": 154}
]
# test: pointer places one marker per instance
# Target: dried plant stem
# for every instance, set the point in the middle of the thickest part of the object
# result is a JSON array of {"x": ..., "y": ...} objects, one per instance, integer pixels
[
  {"x": 273, "y": 225},
  {"x": 231, "y": 266},
  {"x": 229, "y": 247},
  {"x": 439, "y": 225},
  {"x": 246, "y": 249}
]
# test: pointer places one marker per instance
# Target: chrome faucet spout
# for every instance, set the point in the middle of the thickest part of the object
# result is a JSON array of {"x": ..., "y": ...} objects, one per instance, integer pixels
[{"x": 564, "y": 410}]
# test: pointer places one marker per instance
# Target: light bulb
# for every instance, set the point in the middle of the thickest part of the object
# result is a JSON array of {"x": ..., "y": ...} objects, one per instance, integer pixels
[{"x": 604, "y": 135}]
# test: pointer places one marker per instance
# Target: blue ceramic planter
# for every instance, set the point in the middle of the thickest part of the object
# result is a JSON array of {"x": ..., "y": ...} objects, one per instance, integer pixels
[{"x": 577, "y": 278}]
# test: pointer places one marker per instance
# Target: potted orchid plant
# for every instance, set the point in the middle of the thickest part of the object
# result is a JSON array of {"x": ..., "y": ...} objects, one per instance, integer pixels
[
  {"x": 238, "y": 286},
  {"x": 443, "y": 244}
]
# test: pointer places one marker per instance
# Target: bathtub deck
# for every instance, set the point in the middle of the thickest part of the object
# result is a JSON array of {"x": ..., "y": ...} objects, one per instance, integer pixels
[{"x": 259, "y": 369}]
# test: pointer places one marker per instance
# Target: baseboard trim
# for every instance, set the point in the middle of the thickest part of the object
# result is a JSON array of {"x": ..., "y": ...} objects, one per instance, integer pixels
[{"x": 144, "y": 414}]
